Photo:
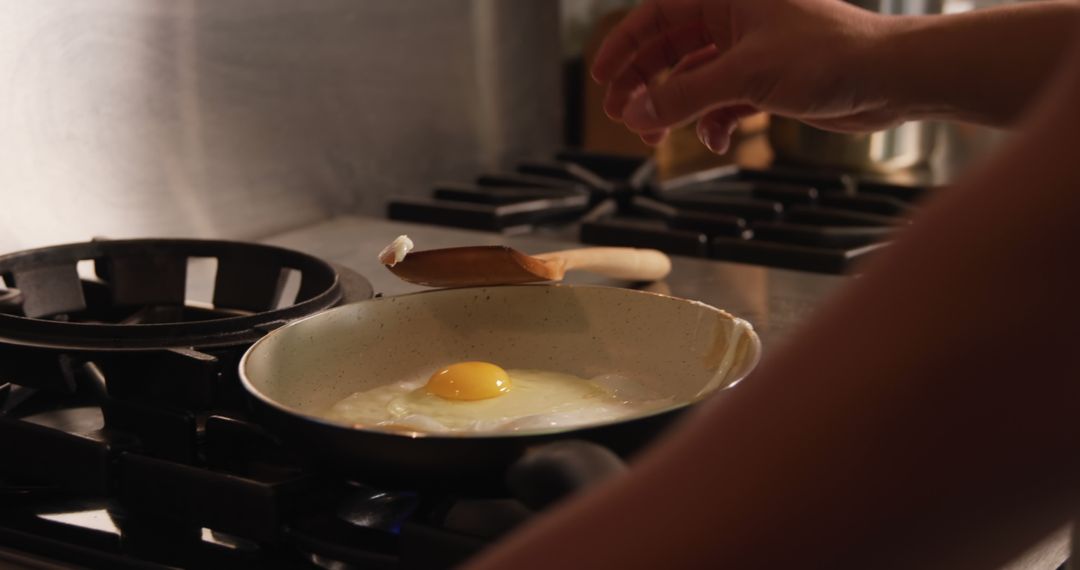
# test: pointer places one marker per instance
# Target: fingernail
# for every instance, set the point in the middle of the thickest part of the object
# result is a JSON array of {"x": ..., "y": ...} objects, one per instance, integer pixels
[
  {"x": 640, "y": 112},
  {"x": 652, "y": 138},
  {"x": 703, "y": 136},
  {"x": 715, "y": 144},
  {"x": 611, "y": 108}
]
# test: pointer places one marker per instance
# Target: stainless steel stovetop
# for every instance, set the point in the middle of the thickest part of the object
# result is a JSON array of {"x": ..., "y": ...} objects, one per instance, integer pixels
[{"x": 773, "y": 300}]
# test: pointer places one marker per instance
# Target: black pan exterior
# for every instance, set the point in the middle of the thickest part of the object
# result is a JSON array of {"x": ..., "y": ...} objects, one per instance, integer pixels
[{"x": 472, "y": 464}]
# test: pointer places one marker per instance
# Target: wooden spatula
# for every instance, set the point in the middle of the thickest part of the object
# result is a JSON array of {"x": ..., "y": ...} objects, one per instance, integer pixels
[{"x": 501, "y": 265}]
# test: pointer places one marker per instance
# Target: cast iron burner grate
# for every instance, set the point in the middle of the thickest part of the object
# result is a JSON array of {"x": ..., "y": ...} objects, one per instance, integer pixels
[
  {"x": 137, "y": 296},
  {"x": 117, "y": 355},
  {"x": 797, "y": 219},
  {"x": 129, "y": 500}
]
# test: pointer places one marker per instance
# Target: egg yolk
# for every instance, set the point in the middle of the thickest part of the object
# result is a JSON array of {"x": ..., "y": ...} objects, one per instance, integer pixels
[{"x": 469, "y": 381}]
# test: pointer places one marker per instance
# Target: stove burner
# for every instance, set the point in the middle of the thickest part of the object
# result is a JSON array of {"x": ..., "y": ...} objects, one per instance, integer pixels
[
  {"x": 381, "y": 510},
  {"x": 124, "y": 433},
  {"x": 92, "y": 367},
  {"x": 138, "y": 298},
  {"x": 781, "y": 217}
]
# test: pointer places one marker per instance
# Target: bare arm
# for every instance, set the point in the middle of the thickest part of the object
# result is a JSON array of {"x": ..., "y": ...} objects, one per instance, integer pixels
[
  {"x": 985, "y": 66},
  {"x": 925, "y": 419},
  {"x": 826, "y": 63}
]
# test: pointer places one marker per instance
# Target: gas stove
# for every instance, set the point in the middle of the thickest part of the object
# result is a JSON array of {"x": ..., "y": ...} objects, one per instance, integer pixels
[
  {"x": 126, "y": 442},
  {"x": 125, "y": 437},
  {"x": 809, "y": 220}
]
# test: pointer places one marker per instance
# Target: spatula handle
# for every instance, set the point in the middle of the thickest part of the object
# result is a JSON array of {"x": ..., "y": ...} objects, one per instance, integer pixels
[{"x": 616, "y": 262}]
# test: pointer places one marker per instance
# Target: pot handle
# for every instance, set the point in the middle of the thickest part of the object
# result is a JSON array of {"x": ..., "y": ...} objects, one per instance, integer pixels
[{"x": 551, "y": 472}]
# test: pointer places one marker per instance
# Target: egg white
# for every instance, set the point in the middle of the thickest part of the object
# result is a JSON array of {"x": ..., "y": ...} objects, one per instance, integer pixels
[{"x": 537, "y": 400}]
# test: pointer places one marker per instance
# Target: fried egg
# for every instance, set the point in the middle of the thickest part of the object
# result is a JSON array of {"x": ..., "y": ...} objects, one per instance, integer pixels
[{"x": 483, "y": 397}]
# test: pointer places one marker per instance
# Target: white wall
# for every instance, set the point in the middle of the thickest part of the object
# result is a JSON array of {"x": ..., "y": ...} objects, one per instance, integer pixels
[{"x": 239, "y": 118}]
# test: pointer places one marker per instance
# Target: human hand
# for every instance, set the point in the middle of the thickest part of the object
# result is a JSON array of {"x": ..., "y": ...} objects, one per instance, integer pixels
[{"x": 670, "y": 62}]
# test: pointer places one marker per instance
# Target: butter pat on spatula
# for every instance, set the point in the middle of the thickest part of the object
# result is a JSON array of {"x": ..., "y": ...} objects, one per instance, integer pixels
[{"x": 500, "y": 265}]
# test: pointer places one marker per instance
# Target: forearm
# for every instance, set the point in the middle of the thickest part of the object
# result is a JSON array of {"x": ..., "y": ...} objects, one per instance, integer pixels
[
  {"x": 984, "y": 66},
  {"x": 932, "y": 403}
]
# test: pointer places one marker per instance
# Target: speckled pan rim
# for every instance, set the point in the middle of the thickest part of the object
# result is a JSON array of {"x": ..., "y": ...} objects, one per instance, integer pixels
[{"x": 755, "y": 357}]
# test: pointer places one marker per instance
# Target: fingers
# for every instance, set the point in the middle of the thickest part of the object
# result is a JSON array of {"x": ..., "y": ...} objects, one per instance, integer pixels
[
  {"x": 692, "y": 61},
  {"x": 715, "y": 128},
  {"x": 860, "y": 122},
  {"x": 629, "y": 82},
  {"x": 670, "y": 51},
  {"x": 654, "y": 138},
  {"x": 653, "y": 19},
  {"x": 684, "y": 95},
  {"x": 664, "y": 35},
  {"x": 697, "y": 59}
]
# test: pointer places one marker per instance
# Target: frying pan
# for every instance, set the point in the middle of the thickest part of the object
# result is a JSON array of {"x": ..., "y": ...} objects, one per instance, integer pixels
[{"x": 682, "y": 349}]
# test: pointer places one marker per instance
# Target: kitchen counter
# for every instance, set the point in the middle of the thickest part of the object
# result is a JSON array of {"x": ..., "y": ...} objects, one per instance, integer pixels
[{"x": 775, "y": 301}]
